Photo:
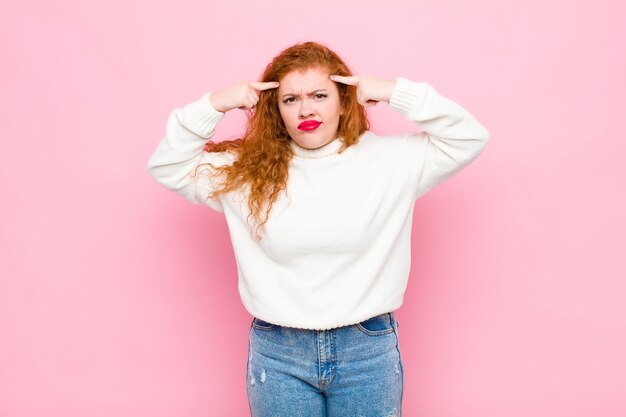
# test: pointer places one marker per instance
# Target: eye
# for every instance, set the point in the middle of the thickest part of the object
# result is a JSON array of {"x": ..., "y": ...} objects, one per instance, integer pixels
[
  {"x": 287, "y": 100},
  {"x": 321, "y": 95}
]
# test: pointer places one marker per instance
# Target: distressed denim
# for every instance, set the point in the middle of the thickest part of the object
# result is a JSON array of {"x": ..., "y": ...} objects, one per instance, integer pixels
[{"x": 353, "y": 370}]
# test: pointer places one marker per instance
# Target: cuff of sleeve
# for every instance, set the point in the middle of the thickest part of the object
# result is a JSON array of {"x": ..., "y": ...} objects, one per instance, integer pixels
[
  {"x": 407, "y": 95},
  {"x": 201, "y": 117}
]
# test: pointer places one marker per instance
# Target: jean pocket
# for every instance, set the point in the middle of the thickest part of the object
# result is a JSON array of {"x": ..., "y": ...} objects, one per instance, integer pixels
[
  {"x": 262, "y": 325},
  {"x": 377, "y": 325}
]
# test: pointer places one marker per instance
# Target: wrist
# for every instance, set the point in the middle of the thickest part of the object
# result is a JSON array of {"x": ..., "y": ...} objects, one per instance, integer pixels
[
  {"x": 391, "y": 85},
  {"x": 215, "y": 102}
]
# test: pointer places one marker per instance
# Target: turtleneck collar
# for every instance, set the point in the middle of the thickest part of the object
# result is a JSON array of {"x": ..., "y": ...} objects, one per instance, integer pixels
[{"x": 329, "y": 149}]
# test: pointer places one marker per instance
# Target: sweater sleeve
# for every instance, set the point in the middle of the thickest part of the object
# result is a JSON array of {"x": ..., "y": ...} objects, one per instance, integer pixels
[
  {"x": 451, "y": 136},
  {"x": 181, "y": 150}
]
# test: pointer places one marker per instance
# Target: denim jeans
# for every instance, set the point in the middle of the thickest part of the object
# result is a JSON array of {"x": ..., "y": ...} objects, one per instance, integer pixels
[{"x": 353, "y": 370}]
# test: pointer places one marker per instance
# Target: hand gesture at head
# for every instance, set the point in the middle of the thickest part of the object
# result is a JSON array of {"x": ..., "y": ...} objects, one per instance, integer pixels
[
  {"x": 369, "y": 90},
  {"x": 243, "y": 95}
]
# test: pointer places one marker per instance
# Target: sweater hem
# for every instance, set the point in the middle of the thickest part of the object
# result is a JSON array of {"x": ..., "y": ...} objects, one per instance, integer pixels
[{"x": 330, "y": 327}]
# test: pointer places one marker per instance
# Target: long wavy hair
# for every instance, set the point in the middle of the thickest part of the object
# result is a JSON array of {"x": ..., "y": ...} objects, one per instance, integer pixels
[{"x": 263, "y": 154}]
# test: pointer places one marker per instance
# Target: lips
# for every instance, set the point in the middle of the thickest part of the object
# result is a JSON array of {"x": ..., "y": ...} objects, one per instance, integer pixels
[{"x": 309, "y": 125}]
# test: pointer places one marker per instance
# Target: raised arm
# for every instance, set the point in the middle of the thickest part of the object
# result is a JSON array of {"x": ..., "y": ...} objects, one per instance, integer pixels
[
  {"x": 181, "y": 151},
  {"x": 451, "y": 139},
  {"x": 175, "y": 159}
]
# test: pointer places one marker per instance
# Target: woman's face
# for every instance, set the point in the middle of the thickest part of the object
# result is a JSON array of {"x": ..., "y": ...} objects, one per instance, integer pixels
[{"x": 309, "y": 96}]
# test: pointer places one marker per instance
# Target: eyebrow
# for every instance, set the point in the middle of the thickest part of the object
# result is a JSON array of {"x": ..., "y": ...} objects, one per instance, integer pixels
[{"x": 310, "y": 94}]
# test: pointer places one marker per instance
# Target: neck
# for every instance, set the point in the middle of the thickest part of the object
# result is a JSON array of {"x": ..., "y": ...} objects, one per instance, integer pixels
[{"x": 329, "y": 149}]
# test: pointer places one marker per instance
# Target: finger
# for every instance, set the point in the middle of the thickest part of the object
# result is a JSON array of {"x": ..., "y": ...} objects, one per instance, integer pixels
[
  {"x": 261, "y": 86},
  {"x": 350, "y": 80},
  {"x": 248, "y": 103}
]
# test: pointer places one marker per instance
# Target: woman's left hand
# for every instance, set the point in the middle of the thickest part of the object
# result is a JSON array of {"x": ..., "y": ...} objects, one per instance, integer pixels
[{"x": 369, "y": 90}]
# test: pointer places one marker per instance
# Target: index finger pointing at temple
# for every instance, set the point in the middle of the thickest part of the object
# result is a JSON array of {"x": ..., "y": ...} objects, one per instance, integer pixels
[
  {"x": 264, "y": 85},
  {"x": 350, "y": 80}
]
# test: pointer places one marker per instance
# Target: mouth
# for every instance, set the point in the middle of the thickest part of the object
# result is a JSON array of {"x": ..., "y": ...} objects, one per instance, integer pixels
[{"x": 309, "y": 125}]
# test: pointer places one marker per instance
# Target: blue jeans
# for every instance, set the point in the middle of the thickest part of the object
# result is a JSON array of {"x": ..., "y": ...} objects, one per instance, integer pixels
[{"x": 353, "y": 370}]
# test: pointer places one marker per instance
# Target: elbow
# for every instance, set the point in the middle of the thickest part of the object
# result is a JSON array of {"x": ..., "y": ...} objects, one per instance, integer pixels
[
  {"x": 151, "y": 167},
  {"x": 483, "y": 138},
  {"x": 480, "y": 142},
  {"x": 156, "y": 170},
  {"x": 152, "y": 163}
]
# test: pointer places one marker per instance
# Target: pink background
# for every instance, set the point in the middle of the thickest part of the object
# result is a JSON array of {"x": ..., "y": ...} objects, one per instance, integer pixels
[{"x": 119, "y": 298}]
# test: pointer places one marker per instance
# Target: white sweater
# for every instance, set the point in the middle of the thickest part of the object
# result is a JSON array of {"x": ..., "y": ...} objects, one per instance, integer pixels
[{"x": 336, "y": 249}]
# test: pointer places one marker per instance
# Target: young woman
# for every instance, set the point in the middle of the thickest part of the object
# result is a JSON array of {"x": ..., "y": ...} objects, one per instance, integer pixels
[{"x": 319, "y": 211}]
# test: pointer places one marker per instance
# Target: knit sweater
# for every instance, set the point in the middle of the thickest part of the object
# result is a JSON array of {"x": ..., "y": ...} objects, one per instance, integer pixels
[{"x": 336, "y": 248}]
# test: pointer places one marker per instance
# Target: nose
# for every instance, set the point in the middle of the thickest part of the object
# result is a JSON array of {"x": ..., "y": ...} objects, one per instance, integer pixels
[{"x": 305, "y": 110}]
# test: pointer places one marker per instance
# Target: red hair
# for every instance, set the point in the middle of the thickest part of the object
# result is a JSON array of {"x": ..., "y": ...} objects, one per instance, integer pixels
[{"x": 264, "y": 152}]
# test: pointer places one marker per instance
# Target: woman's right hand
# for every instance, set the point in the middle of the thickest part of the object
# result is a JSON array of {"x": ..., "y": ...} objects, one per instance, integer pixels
[{"x": 243, "y": 95}]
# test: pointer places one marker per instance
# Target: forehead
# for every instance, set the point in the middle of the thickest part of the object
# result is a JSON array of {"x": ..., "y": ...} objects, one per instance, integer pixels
[{"x": 307, "y": 80}]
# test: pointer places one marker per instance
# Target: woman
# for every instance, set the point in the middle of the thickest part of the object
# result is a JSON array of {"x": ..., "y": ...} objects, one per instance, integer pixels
[{"x": 319, "y": 211}]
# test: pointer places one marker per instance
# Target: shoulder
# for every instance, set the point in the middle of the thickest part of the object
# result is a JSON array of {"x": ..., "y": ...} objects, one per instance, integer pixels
[
  {"x": 220, "y": 158},
  {"x": 370, "y": 141},
  {"x": 212, "y": 160}
]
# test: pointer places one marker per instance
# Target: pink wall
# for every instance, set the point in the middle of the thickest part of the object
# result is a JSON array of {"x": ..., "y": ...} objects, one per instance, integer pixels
[{"x": 119, "y": 298}]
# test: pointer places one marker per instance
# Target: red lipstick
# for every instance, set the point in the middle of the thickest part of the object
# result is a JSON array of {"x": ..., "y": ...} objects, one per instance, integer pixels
[{"x": 309, "y": 125}]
